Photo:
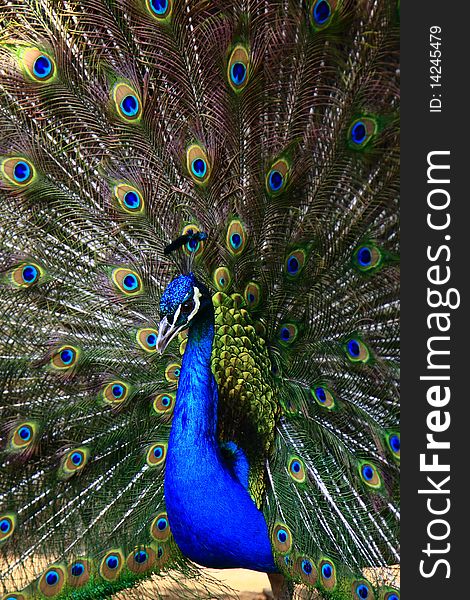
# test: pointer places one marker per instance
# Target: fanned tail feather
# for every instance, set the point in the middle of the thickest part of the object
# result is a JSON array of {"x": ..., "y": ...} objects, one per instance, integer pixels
[{"x": 262, "y": 136}]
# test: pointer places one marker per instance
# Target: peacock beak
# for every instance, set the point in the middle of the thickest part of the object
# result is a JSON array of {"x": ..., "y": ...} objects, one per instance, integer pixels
[{"x": 166, "y": 332}]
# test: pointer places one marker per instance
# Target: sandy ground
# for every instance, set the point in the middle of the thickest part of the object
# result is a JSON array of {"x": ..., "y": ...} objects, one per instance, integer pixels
[{"x": 242, "y": 580}]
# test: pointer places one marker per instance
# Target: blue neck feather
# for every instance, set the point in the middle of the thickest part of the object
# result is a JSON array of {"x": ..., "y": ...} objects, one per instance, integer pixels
[
  {"x": 195, "y": 418},
  {"x": 213, "y": 519}
]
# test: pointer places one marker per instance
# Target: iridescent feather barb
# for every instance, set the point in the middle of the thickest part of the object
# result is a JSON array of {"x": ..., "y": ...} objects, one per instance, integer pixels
[{"x": 257, "y": 352}]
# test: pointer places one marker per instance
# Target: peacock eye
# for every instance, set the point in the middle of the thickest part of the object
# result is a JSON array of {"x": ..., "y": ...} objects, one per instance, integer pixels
[
  {"x": 199, "y": 167},
  {"x": 187, "y": 307},
  {"x": 361, "y": 132},
  {"x": 77, "y": 569},
  {"x": 42, "y": 66},
  {"x": 130, "y": 105},
  {"x": 112, "y": 562},
  {"x": 321, "y": 12},
  {"x": 198, "y": 164},
  {"x": 17, "y": 171},
  {"x": 127, "y": 102},
  {"x": 238, "y": 68},
  {"x": 362, "y": 591},
  {"x": 160, "y": 8},
  {"x": 141, "y": 557},
  {"x": 307, "y": 567},
  {"x": 238, "y": 73}
]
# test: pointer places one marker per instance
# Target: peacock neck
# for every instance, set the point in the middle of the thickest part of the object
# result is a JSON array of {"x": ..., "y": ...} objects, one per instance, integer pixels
[
  {"x": 205, "y": 500},
  {"x": 195, "y": 414}
]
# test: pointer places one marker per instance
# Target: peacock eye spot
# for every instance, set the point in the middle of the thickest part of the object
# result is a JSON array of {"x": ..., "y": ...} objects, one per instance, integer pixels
[
  {"x": 353, "y": 348},
  {"x": 130, "y": 282},
  {"x": 112, "y": 562},
  {"x": 162, "y": 524},
  {"x": 52, "y": 578},
  {"x": 21, "y": 171},
  {"x": 292, "y": 265},
  {"x": 358, "y": 132},
  {"x": 285, "y": 334},
  {"x": 151, "y": 340},
  {"x": 282, "y": 536},
  {"x": 367, "y": 472},
  {"x": 157, "y": 452},
  {"x": 77, "y": 569},
  {"x": 166, "y": 400},
  {"x": 117, "y": 390},
  {"x": 66, "y": 356},
  {"x": 362, "y": 591},
  {"x": 395, "y": 443},
  {"x": 236, "y": 240},
  {"x": 177, "y": 372},
  {"x": 42, "y": 66},
  {"x": 160, "y": 552},
  {"x": 25, "y": 433},
  {"x": 140, "y": 557},
  {"x": 76, "y": 458},
  {"x": 364, "y": 256},
  {"x": 307, "y": 567},
  {"x": 320, "y": 394},
  {"x": 130, "y": 105},
  {"x": 321, "y": 12},
  {"x": 275, "y": 180},
  {"x": 159, "y": 7},
  {"x": 296, "y": 466},
  {"x": 238, "y": 73},
  {"x": 199, "y": 167},
  {"x": 251, "y": 297},
  {"x": 326, "y": 571},
  {"x": 5, "y": 525},
  {"x": 131, "y": 200},
  {"x": 29, "y": 274},
  {"x": 393, "y": 597}
]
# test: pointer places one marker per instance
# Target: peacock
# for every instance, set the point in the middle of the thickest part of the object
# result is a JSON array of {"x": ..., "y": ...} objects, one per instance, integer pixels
[{"x": 199, "y": 270}]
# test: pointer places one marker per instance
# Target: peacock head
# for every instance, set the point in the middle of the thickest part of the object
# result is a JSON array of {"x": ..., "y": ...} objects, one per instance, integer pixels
[{"x": 183, "y": 299}]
